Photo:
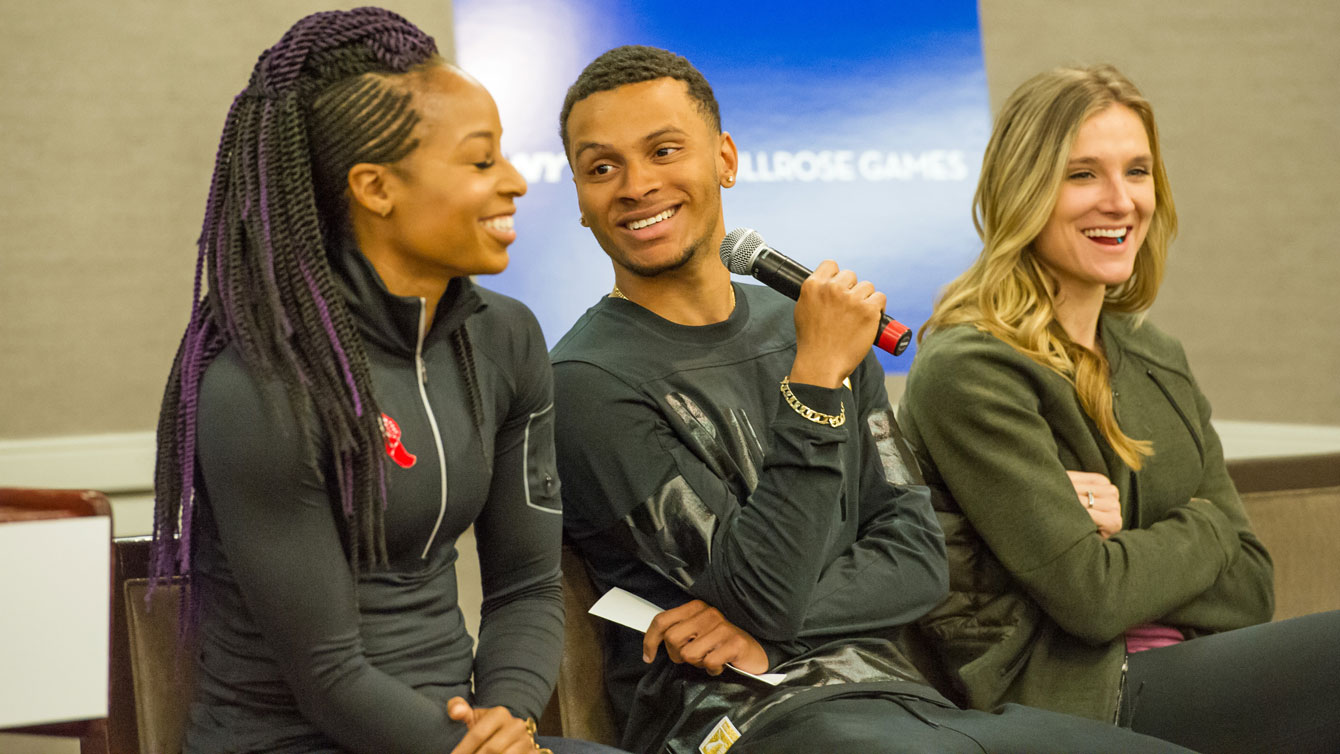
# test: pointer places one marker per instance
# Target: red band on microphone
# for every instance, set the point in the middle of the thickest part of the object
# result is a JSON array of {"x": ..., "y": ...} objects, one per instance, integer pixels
[{"x": 894, "y": 337}]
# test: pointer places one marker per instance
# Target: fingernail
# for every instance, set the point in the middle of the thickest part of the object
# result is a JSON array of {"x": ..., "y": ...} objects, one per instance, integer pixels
[{"x": 646, "y": 657}]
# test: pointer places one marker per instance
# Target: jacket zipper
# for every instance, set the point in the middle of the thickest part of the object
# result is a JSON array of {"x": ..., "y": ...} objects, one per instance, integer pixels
[
  {"x": 421, "y": 377},
  {"x": 1121, "y": 689}
]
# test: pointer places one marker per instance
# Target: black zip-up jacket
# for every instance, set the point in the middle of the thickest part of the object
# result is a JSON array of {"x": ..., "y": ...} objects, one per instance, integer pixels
[{"x": 299, "y": 655}]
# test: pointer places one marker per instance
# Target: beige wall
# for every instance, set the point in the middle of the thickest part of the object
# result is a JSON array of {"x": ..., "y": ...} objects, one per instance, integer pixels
[
  {"x": 109, "y": 114},
  {"x": 109, "y": 118},
  {"x": 1249, "y": 117}
]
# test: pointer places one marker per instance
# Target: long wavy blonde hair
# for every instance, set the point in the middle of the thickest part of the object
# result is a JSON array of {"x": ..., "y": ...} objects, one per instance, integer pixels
[{"x": 1008, "y": 292}]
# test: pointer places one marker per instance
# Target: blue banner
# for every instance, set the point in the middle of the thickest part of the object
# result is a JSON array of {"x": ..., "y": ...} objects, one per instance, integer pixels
[{"x": 860, "y": 133}]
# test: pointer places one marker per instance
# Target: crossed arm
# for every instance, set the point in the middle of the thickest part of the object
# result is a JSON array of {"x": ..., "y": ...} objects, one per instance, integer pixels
[{"x": 999, "y": 457}]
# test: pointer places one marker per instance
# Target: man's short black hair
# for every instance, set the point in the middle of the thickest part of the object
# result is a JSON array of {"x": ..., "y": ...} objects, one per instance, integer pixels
[{"x": 633, "y": 64}]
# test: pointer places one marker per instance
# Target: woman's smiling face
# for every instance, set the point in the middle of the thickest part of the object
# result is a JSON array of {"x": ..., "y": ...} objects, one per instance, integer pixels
[
  {"x": 1104, "y": 207},
  {"x": 455, "y": 191}
]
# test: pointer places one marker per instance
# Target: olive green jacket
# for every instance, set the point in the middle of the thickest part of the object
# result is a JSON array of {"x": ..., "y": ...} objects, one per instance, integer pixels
[{"x": 1039, "y": 602}]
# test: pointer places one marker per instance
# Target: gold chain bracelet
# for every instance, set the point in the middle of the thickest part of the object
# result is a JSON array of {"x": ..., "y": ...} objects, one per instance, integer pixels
[
  {"x": 531, "y": 729},
  {"x": 809, "y": 413}
]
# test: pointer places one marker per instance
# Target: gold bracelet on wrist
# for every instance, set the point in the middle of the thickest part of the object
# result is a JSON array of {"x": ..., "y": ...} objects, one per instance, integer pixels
[
  {"x": 531, "y": 729},
  {"x": 809, "y": 413}
]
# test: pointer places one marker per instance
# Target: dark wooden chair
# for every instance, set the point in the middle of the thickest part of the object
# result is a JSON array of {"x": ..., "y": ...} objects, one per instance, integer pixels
[
  {"x": 580, "y": 707},
  {"x": 160, "y": 658}
]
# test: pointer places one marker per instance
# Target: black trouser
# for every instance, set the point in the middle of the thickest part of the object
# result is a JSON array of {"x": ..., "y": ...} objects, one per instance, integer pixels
[
  {"x": 884, "y": 726},
  {"x": 1268, "y": 688}
]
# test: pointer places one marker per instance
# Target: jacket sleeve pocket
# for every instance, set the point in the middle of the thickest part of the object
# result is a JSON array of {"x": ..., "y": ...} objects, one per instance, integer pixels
[{"x": 542, "y": 486}]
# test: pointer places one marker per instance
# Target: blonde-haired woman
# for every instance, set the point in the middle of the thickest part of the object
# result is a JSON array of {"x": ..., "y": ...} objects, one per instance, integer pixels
[{"x": 1092, "y": 526}]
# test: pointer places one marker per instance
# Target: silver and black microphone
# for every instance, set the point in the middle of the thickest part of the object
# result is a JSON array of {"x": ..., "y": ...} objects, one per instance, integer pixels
[{"x": 744, "y": 252}]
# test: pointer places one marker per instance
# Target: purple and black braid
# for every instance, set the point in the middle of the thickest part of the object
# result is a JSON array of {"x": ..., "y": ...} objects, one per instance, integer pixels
[{"x": 333, "y": 92}]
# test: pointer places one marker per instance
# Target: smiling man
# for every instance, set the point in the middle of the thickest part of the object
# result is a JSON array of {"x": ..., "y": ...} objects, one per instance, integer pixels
[
  {"x": 732, "y": 457},
  {"x": 649, "y": 172}
]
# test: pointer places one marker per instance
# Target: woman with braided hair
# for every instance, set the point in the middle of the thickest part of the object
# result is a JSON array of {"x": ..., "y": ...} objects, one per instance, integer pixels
[{"x": 345, "y": 402}]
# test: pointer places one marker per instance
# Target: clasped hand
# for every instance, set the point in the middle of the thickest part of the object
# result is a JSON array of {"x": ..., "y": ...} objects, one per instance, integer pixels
[
  {"x": 492, "y": 730},
  {"x": 1105, "y": 509},
  {"x": 698, "y": 634}
]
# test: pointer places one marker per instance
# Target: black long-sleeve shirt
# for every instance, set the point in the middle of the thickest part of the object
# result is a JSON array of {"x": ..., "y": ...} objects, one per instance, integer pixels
[
  {"x": 298, "y": 654},
  {"x": 686, "y": 475}
]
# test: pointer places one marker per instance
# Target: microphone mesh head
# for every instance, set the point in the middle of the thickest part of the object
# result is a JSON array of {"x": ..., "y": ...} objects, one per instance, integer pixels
[{"x": 740, "y": 248}]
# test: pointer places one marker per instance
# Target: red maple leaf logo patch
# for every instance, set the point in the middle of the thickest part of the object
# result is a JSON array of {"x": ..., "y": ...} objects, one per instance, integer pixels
[{"x": 398, "y": 453}]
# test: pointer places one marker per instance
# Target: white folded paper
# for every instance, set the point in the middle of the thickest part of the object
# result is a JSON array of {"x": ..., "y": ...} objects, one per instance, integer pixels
[{"x": 628, "y": 609}]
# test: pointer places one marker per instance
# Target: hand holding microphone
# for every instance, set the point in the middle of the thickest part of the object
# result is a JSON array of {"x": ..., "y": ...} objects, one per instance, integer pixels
[
  {"x": 744, "y": 252},
  {"x": 835, "y": 321},
  {"x": 837, "y": 317}
]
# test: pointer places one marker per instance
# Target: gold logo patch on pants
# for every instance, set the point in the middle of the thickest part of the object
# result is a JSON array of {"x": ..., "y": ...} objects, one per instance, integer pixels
[{"x": 721, "y": 738}]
